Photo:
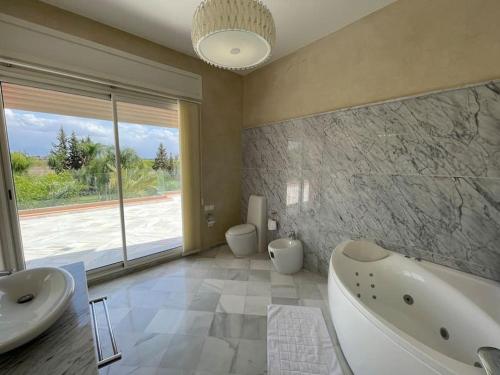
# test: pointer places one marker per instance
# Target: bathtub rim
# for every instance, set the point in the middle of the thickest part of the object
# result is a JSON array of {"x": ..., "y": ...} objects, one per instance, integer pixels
[{"x": 430, "y": 357}]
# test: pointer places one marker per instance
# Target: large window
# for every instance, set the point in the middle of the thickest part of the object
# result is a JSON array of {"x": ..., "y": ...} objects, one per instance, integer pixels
[{"x": 76, "y": 200}]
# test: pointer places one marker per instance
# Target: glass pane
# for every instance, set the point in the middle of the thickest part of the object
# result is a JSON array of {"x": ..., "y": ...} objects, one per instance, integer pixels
[
  {"x": 63, "y": 163},
  {"x": 151, "y": 178}
]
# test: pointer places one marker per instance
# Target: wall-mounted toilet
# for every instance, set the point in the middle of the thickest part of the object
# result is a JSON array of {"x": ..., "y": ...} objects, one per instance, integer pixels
[{"x": 246, "y": 239}]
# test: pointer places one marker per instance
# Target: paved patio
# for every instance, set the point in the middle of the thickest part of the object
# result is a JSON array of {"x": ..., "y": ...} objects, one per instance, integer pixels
[{"x": 93, "y": 235}]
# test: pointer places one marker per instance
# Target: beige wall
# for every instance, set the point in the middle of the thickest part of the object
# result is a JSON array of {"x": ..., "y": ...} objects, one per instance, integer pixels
[
  {"x": 407, "y": 48},
  {"x": 221, "y": 109}
]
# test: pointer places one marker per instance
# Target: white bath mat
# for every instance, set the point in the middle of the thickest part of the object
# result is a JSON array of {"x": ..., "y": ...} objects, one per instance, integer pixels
[{"x": 298, "y": 342}]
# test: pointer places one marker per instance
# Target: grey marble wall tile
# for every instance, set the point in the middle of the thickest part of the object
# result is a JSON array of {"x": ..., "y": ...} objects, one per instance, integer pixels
[
  {"x": 311, "y": 132},
  {"x": 271, "y": 184},
  {"x": 462, "y": 124},
  {"x": 272, "y": 147},
  {"x": 419, "y": 176},
  {"x": 337, "y": 200},
  {"x": 480, "y": 219},
  {"x": 446, "y": 114},
  {"x": 350, "y": 149},
  {"x": 329, "y": 239}
]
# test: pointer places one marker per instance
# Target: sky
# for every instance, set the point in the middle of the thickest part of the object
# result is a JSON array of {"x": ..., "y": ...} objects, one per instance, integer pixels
[{"x": 34, "y": 133}]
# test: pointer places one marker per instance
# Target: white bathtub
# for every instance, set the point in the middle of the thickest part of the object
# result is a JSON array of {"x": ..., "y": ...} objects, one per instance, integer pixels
[{"x": 381, "y": 333}]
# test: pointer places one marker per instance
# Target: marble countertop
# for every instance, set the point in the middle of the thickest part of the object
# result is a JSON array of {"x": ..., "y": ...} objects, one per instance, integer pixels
[{"x": 65, "y": 348}]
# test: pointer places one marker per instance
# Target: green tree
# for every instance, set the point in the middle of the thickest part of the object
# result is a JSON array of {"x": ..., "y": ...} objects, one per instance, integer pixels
[
  {"x": 161, "y": 160},
  {"x": 88, "y": 150},
  {"x": 58, "y": 157},
  {"x": 75, "y": 157},
  {"x": 20, "y": 162},
  {"x": 129, "y": 158}
]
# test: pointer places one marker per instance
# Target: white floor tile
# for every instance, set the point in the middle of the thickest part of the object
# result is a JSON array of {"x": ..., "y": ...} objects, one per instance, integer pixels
[
  {"x": 231, "y": 304},
  {"x": 257, "y": 305}
]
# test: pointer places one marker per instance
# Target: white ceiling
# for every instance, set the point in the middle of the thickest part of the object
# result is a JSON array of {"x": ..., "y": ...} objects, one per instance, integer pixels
[{"x": 168, "y": 22}]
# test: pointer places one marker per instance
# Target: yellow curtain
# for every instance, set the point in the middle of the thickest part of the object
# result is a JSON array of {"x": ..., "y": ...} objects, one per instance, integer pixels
[{"x": 189, "y": 132}]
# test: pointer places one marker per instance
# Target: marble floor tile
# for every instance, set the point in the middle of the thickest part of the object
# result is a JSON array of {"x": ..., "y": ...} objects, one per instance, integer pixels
[
  {"x": 261, "y": 264},
  {"x": 243, "y": 264},
  {"x": 211, "y": 286},
  {"x": 257, "y": 305},
  {"x": 210, "y": 253},
  {"x": 118, "y": 314},
  {"x": 203, "y": 263},
  {"x": 231, "y": 263},
  {"x": 217, "y": 355},
  {"x": 254, "y": 327},
  {"x": 281, "y": 280},
  {"x": 176, "y": 300},
  {"x": 176, "y": 284},
  {"x": 184, "y": 352},
  {"x": 197, "y": 273},
  {"x": 196, "y": 323},
  {"x": 172, "y": 321},
  {"x": 323, "y": 289},
  {"x": 136, "y": 320},
  {"x": 304, "y": 276},
  {"x": 120, "y": 369},
  {"x": 259, "y": 288},
  {"x": 231, "y": 304},
  {"x": 218, "y": 273},
  {"x": 237, "y": 274},
  {"x": 284, "y": 291},
  {"x": 285, "y": 301},
  {"x": 223, "y": 262},
  {"x": 148, "y": 283},
  {"x": 227, "y": 325},
  {"x": 251, "y": 357},
  {"x": 309, "y": 291},
  {"x": 262, "y": 256},
  {"x": 165, "y": 321},
  {"x": 224, "y": 252},
  {"x": 260, "y": 275},
  {"x": 149, "y": 299},
  {"x": 235, "y": 287},
  {"x": 147, "y": 349},
  {"x": 202, "y": 315},
  {"x": 204, "y": 302}
]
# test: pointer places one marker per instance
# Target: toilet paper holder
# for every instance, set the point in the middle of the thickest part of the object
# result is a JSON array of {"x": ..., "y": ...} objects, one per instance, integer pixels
[{"x": 272, "y": 222}]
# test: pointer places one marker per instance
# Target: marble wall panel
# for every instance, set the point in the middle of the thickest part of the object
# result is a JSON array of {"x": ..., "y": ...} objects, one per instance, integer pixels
[{"x": 420, "y": 176}]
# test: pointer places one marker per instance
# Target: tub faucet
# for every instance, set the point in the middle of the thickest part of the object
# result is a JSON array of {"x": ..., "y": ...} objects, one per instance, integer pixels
[
  {"x": 490, "y": 359},
  {"x": 291, "y": 235}
]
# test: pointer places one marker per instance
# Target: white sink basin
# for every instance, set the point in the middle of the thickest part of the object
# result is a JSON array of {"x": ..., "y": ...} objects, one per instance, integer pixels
[
  {"x": 286, "y": 254},
  {"x": 30, "y": 302}
]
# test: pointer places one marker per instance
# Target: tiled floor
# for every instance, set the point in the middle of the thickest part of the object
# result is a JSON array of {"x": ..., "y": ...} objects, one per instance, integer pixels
[{"x": 204, "y": 314}]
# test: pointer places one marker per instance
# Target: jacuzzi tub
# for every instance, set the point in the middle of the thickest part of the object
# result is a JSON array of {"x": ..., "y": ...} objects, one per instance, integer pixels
[{"x": 397, "y": 315}]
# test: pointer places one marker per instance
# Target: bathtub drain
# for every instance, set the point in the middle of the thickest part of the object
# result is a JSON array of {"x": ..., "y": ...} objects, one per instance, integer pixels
[{"x": 444, "y": 333}]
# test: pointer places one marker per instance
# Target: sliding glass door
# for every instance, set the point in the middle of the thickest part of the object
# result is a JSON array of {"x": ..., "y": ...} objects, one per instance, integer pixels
[
  {"x": 150, "y": 170},
  {"x": 77, "y": 198}
]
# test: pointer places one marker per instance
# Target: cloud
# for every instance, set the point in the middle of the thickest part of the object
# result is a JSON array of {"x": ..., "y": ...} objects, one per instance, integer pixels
[{"x": 34, "y": 133}]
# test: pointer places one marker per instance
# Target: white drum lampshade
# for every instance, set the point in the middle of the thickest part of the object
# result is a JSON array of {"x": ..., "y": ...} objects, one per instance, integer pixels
[{"x": 233, "y": 34}]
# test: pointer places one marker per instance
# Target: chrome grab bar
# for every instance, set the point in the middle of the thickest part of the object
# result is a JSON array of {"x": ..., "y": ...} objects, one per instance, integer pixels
[
  {"x": 117, "y": 355},
  {"x": 490, "y": 359}
]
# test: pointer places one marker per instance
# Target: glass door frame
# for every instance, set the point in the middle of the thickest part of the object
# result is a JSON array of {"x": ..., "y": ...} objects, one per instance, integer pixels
[{"x": 11, "y": 239}]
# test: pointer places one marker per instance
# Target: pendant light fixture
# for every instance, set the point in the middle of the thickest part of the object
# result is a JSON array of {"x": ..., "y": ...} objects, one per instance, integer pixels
[{"x": 233, "y": 34}]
